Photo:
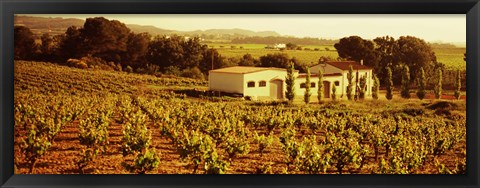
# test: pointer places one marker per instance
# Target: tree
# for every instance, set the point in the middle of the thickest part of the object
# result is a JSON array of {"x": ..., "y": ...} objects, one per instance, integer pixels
[
  {"x": 438, "y": 86},
  {"x": 290, "y": 81},
  {"x": 320, "y": 86},
  {"x": 192, "y": 52},
  {"x": 363, "y": 87},
  {"x": 458, "y": 85},
  {"x": 415, "y": 53},
  {"x": 47, "y": 48},
  {"x": 307, "y": 88},
  {"x": 355, "y": 48},
  {"x": 212, "y": 60},
  {"x": 385, "y": 47},
  {"x": 70, "y": 45},
  {"x": 350, "y": 83},
  {"x": 405, "y": 82},
  {"x": 280, "y": 60},
  {"x": 376, "y": 87},
  {"x": 389, "y": 84},
  {"x": 334, "y": 92},
  {"x": 248, "y": 60},
  {"x": 291, "y": 46},
  {"x": 137, "y": 47},
  {"x": 166, "y": 51},
  {"x": 104, "y": 38},
  {"x": 421, "y": 83},
  {"x": 24, "y": 43}
]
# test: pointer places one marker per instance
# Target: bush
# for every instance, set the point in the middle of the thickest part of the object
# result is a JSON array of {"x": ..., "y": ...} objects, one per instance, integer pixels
[
  {"x": 129, "y": 69},
  {"x": 144, "y": 162},
  {"x": 194, "y": 73},
  {"x": 173, "y": 70}
]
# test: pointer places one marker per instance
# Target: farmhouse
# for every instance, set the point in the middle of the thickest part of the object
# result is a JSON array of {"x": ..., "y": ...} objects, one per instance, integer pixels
[{"x": 269, "y": 82}]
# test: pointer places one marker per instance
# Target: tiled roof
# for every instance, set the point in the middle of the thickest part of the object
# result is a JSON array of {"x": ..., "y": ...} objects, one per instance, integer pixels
[
  {"x": 304, "y": 75},
  {"x": 245, "y": 69},
  {"x": 345, "y": 65}
]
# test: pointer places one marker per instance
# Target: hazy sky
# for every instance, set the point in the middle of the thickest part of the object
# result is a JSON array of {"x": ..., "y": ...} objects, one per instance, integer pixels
[{"x": 446, "y": 28}]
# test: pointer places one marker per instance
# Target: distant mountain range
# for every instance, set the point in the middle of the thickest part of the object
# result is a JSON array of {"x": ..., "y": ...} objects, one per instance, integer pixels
[{"x": 59, "y": 25}]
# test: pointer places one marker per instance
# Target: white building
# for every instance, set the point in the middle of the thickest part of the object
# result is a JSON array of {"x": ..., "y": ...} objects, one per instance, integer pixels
[
  {"x": 269, "y": 82},
  {"x": 340, "y": 68}
]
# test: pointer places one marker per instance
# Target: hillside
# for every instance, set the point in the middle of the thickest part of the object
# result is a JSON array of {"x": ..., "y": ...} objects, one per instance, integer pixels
[{"x": 57, "y": 25}]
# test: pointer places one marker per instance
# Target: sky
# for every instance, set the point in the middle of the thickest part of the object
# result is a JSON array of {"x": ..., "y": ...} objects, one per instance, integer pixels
[{"x": 432, "y": 28}]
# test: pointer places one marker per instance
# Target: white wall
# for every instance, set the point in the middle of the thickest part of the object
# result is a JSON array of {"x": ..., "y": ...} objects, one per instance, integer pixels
[
  {"x": 360, "y": 73},
  {"x": 314, "y": 91},
  {"x": 226, "y": 82},
  {"x": 267, "y": 76}
]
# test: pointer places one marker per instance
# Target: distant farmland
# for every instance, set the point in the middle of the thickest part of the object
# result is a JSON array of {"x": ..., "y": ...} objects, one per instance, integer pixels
[{"x": 451, "y": 57}]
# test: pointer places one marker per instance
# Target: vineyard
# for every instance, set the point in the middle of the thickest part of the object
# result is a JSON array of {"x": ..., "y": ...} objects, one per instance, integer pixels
[{"x": 74, "y": 121}]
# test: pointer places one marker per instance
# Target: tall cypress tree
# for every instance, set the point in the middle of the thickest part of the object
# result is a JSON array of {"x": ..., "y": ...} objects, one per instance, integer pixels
[
  {"x": 320, "y": 86},
  {"x": 363, "y": 86},
  {"x": 334, "y": 92},
  {"x": 389, "y": 84},
  {"x": 307, "y": 95},
  {"x": 438, "y": 86},
  {"x": 406, "y": 82},
  {"x": 376, "y": 87},
  {"x": 350, "y": 83},
  {"x": 421, "y": 82},
  {"x": 458, "y": 85},
  {"x": 290, "y": 81}
]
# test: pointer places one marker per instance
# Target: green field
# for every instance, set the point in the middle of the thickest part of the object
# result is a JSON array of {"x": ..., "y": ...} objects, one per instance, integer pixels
[{"x": 451, "y": 57}]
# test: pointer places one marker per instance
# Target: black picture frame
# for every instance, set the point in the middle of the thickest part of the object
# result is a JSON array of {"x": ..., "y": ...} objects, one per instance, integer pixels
[{"x": 10, "y": 7}]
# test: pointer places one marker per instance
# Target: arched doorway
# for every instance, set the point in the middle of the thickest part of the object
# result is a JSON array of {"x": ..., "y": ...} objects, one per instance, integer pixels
[
  {"x": 326, "y": 89},
  {"x": 276, "y": 89}
]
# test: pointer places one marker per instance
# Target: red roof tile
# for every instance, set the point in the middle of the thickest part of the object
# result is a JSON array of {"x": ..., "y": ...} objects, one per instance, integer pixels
[
  {"x": 245, "y": 69},
  {"x": 345, "y": 65},
  {"x": 304, "y": 75}
]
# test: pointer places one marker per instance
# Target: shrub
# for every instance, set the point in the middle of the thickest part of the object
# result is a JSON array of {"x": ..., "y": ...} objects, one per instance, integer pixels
[
  {"x": 144, "y": 162},
  {"x": 35, "y": 146},
  {"x": 129, "y": 69},
  {"x": 263, "y": 142},
  {"x": 194, "y": 73},
  {"x": 173, "y": 70}
]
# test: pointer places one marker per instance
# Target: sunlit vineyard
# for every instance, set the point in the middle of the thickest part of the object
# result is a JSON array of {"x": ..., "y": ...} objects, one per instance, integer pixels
[{"x": 70, "y": 120}]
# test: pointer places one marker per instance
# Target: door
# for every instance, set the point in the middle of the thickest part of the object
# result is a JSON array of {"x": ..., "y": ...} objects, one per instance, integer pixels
[
  {"x": 276, "y": 89},
  {"x": 326, "y": 89}
]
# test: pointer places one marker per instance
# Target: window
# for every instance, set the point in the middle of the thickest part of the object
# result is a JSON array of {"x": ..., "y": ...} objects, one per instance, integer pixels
[
  {"x": 312, "y": 85},
  {"x": 251, "y": 84},
  {"x": 337, "y": 83},
  {"x": 303, "y": 85},
  {"x": 262, "y": 84}
]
